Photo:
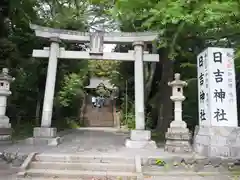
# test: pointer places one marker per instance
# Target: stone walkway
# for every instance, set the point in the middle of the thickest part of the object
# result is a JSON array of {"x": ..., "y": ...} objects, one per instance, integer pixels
[
  {"x": 94, "y": 142},
  {"x": 89, "y": 141}
]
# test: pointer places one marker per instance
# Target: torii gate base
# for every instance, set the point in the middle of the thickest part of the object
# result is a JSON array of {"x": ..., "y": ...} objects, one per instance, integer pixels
[
  {"x": 140, "y": 138},
  {"x": 44, "y": 136}
]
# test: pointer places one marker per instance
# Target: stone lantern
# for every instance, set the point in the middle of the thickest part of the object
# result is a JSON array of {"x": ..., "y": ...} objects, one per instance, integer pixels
[
  {"x": 5, "y": 126},
  {"x": 178, "y": 136}
]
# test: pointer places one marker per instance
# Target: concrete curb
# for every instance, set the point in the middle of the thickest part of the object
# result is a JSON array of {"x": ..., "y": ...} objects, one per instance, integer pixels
[
  {"x": 185, "y": 173},
  {"x": 105, "y": 129},
  {"x": 138, "y": 164},
  {"x": 26, "y": 164}
]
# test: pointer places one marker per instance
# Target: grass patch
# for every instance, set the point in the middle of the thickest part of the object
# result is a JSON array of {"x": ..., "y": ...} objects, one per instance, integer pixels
[
  {"x": 158, "y": 137},
  {"x": 22, "y": 131}
]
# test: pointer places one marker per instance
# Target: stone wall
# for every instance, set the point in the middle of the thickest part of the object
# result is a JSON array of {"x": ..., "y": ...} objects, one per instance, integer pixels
[{"x": 217, "y": 141}]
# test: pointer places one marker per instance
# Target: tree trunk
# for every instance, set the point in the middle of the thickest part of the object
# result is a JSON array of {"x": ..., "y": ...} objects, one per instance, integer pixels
[
  {"x": 165, "y": 111},
  {"x": 38, "y": 111},
  {"x": 148, "y": 81},
  {"x": 82, "y": 109}
]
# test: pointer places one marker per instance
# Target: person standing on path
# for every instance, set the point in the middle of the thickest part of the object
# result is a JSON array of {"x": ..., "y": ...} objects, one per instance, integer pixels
[{"x": 93, "y": 101}]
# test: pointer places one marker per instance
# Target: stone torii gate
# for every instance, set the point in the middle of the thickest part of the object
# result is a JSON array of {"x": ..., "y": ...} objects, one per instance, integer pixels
[{"x": 139, "y": 137}]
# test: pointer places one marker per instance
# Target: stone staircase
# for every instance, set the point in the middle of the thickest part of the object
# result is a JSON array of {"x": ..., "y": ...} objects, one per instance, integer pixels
[
  {"x": 5, "y": 168},
  {"x": 75, "y": 167},
  {"x": 98, "y": 117}
]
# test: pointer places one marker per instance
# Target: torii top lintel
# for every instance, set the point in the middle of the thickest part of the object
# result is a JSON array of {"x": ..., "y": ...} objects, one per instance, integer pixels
[{"x": 76, "y": 36}]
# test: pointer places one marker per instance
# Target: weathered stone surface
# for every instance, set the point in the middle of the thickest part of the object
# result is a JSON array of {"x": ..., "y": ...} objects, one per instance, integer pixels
[
  {"x": 44, "y": 132},
  {"x": 54, "y": 141},
  {"x": 140, "y": 139},
  {"x": 171, "y": 134},
  {"x": 140, "y": 144},
  {"x": 5, "y": 131},
  {"x": 140, "y": 135},
  {"x": 204, "y": 161},
  {"x": 14, "y": 159},
  {"x": 179, "y": 130},
  {"x": 178, "y": 149},
  {"x": 76, "y": 36},
  {"x": 4, "y": 122},
  {"x": 190, "y": 160},
  {"x": 177, "y": 141},
  {"x": 217, "y": 141},
  {"x": 5, "y": 137},
  {"x": 216, "y": 162}
]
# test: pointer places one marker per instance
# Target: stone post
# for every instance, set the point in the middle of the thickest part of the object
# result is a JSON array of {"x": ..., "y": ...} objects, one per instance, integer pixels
[
  {"x": 50, "y": 83},
  {"x": 5, "y": 126},
  {"x": 139, "y": 85},
  {"x": 140, "y": 138},
  {"x": 217, "y": 134},
  {"x": 45, "y": 132},
  {"x": 178, "y": 136}
]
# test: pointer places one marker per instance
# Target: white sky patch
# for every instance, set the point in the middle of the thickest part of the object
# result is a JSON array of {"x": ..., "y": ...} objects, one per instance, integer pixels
[{"x": 108, "y": 47}]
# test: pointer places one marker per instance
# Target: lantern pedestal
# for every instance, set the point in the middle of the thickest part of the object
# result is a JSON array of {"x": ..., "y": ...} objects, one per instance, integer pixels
[
  {"x": 178, "y": 136},
  {"x": 178, "y": 140},
  {"x": 5, "y": 130},
  {"x": 4, "y": 122}
]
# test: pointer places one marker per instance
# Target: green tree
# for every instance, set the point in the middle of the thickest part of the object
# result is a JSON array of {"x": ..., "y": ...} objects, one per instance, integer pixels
[{"x": 185, "y": 28}]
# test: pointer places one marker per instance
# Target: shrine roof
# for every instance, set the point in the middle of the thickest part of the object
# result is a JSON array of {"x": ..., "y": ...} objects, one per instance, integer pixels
[{"x": 96, "y": 81}]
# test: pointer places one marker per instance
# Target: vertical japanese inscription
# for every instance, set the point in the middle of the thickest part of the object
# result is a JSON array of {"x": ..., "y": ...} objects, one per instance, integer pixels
[
  {"x": 218, "y": 76},
  {"x": 219, "y": 94},
  {"x": 216, "y": 87},
  {"x": 202, "y": 83},
  {"x": 217, "y": 57}
]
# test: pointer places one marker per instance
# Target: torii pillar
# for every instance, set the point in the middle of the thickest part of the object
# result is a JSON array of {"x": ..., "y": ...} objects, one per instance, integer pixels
[
  {"x": 47, "y": 134},
  {"x": 140, "y": 138}
]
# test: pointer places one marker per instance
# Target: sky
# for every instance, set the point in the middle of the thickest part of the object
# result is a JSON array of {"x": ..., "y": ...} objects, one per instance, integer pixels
[{"x": 108, "y": 47}]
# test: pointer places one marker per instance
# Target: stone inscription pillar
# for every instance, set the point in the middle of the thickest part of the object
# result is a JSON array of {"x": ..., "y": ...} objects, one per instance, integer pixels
[
  {"x": 139, "y": 86},
  {"x": 218, "y": 133},
  {"x": 50, "y": 83}
]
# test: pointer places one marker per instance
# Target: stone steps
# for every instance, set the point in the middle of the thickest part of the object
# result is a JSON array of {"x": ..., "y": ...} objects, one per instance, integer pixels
[
  {"x": 97, "y": 122},
  {"x": 74, "y": 174},
  {"x": 82, "y": 159},
  {"x": 71, "y": 166},
  {"x": 110, "y": 124},
  {"x": 102, "y": 117},
  {"x": 4, "y": 166},
  {"x": 83, "y": 166}
]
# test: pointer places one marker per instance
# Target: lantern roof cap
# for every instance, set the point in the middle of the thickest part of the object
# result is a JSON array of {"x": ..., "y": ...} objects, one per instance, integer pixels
[
  {"x": 5, "y": 76},
  {"x": 177, "y": 81}
]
